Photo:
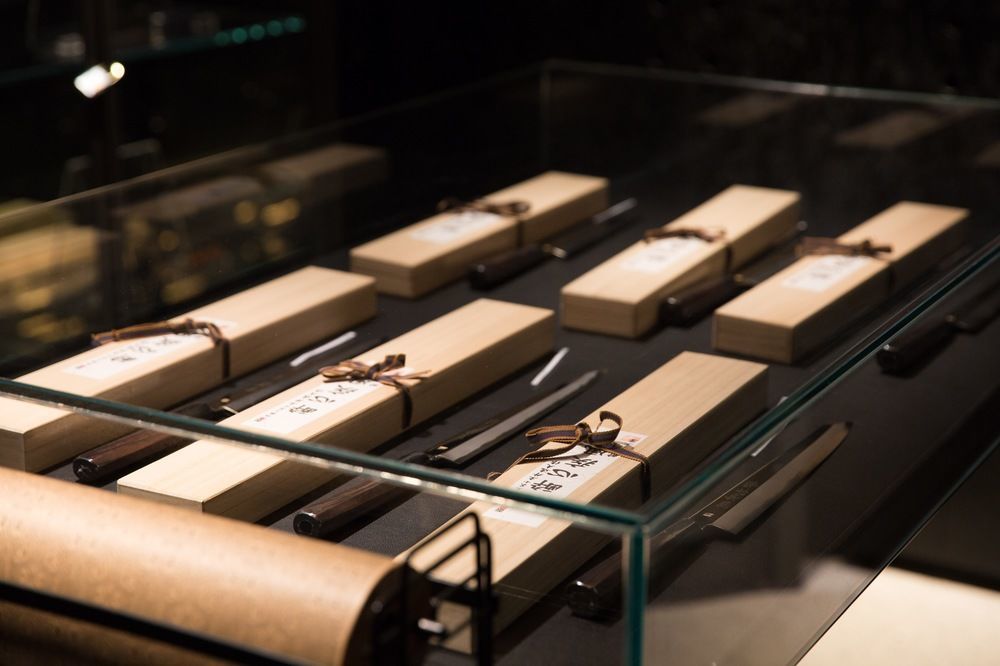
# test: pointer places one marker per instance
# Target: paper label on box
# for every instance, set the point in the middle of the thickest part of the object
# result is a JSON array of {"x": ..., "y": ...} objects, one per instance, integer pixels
[
  {"x": 659, "y": 255},
  {"x": 824, "y": 272},
  {"x": 454, "y": 227},
  {"x": 121, "y": 357},
  {"x": 311, "y": 405},
  {"x": 559, "y": 477}
]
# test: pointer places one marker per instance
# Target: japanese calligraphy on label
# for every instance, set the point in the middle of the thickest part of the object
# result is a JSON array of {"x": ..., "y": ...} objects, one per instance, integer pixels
[
  {"x": 453, "y": 227},
  {"x": 824, "y": 272},
  {"x": 311, "y": 405},
  {"x": 125, "y": 356},
  {"x": 559, "y": 477},
  {"x": 659, "y": 255}
]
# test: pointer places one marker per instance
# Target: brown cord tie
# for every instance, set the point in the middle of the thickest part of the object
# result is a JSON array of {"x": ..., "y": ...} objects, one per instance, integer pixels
[
  {"x": 819, "y": 246},
  {"x": 581, "y": 434},
  {"x": 815, "y": 245},
  {"x": 707, "y": 235},
  {"x": 384, "y": 372},
  {"x": 505, "y": 209},
  {"x": 187, "y": 327}
]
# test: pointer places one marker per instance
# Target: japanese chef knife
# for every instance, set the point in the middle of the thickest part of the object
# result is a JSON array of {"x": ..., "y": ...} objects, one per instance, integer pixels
[
  {"x": 689, "y": 305},
  {"x": 910, "y": 347},
  {"x": 110, "y": 459},
  {"x": 359, "y": 497},
  {"x": 501, "y": 267},
  {"x": 597, "y": 593}
]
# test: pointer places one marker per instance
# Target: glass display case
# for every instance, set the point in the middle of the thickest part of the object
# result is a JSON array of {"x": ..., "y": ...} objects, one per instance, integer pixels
[{"x": 742, "y": 548}]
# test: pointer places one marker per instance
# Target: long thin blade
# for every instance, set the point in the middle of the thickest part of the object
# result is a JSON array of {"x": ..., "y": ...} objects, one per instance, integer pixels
[
  {"x": 599, "y": 227},
  {"x": 743, "y": 503},
  {"x": 973, "y": 315},
  {"x": 514, "y": 423},
  {"x": 273, "y": 380}
]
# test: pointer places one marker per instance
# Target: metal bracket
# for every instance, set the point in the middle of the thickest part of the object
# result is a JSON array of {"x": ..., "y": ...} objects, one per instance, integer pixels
[{"x": 480, "y": 598}]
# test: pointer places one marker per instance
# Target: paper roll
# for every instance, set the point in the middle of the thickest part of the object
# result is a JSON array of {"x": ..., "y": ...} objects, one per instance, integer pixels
[{"x": 307, "y": 599}]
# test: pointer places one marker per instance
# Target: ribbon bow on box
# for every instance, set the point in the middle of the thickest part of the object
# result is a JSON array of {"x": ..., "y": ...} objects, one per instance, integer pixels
[
  {"x": 706, "y": 235},
  {"x": 389, "y": 371},
  {"x": 189, "y": 326},
  {"x": 581, "y": 434},
  {"x": 505, "y": 209},
  {"x": 815, "y": 245},
  {"x": 701, "y": 233}
]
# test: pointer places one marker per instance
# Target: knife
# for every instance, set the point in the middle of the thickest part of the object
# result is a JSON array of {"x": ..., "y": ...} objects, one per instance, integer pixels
[
  {"x": 910, "y": 347},
  {"x": 360, "y": 496},
  {"x": 140, "y": 446},
  {"x": 597, "y": 593},
  {"x": 691, "y": 304},
  {"x": 501, "y": 267}
]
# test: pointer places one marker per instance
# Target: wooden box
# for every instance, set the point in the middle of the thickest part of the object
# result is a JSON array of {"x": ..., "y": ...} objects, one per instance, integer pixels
[
  {"x": 327, "y": 172},
  {"x": 462, "y": 352},
  {"x": 43, "y": 266},
  {"x": 675, "y": 416},
  {"x": 799, "y": 308},
  {"x": 262, "y": 324},
  {"x": 622, "y": 295},
  {"x": 426, "y": 255}
]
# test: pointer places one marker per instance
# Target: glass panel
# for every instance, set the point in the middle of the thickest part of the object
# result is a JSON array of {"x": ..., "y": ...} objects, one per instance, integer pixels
[
  {"x": 668, "y": 155},
  {"x": 776, "y": 581},
  {"x": 361, "y": 518},
  {"x": 158, "y": 246}
]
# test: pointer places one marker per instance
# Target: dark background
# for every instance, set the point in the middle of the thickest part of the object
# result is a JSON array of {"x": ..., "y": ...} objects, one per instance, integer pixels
[{"x": 193, "y": 95}]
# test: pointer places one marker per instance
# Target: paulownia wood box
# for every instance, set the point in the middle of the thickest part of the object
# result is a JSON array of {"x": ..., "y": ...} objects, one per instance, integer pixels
[
  {"x": 463, "y": 352},
  {"x": 40, "y": 266},
  {"x": 682, "y": 411},
  {"x": 622, "y": 295},
  {"x": 801, "y": 307},
  {"x": 262, "y": 324},
  {"x": 327, "y": 172},
  {"x": 426, "y": 255}
]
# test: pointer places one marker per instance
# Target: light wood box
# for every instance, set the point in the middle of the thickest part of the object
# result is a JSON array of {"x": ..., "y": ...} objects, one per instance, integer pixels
[
  {"x": 801, "y": 307},
  {"x": 211, "y": 203},
  {"x": 327, "y": 172},
  {"x": 262, "y": 324},
  {"x": 622, "y": 295},
  {"x": 686, "y": 409},
  {"x": 464, "y": 351},
  {"x": 409, "y": 263},
  {"x": 40, "y": 266}
]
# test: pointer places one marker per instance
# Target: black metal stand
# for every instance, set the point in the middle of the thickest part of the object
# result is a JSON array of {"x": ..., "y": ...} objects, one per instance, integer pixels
[{"x": 480, "y": 599}]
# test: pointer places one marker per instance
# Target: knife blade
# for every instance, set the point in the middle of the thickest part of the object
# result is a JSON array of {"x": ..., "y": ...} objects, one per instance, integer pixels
[
  {"x": 597, "y": 593},
  {"x": 909, "y": 348},
  {"x": 691, "y": 304},
  {"x": 361, "y": 496},
  {"x": 504, "y": 266},
  {"x": 114, "y": 457}
]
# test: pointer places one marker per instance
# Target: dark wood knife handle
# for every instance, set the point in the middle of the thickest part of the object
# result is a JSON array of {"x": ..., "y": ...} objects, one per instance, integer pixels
[
  {"x": 693, "y": 303},
  {"x": 501, "y": 267},
  {"x": 910, "y": 347},
  {"x": 108, "y": 459},
  {"x": 597, "y": 594},
  {"x": 353, "y": 500}
]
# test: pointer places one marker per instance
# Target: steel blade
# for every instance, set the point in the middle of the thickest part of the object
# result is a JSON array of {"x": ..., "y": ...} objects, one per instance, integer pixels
[
  {"x": 486, "y": 440},
  {"x": 772, "y": 484},
  {"x": 600, "y": 226}
]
